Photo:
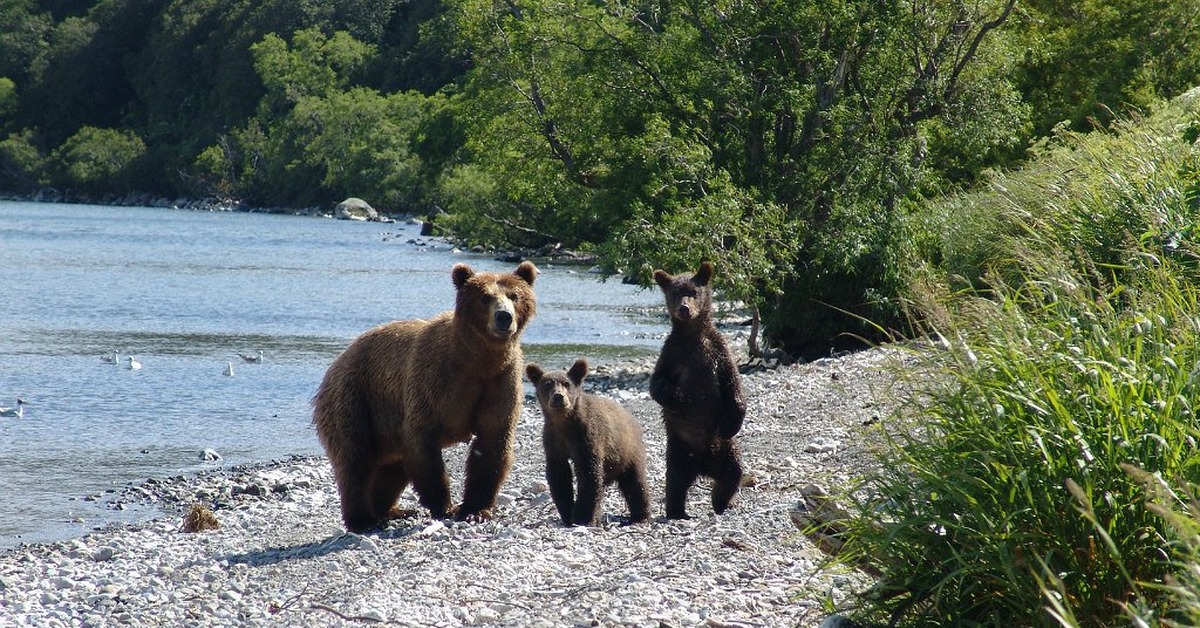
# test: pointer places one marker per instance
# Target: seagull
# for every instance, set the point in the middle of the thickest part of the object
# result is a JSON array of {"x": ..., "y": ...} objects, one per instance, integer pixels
[
  {"x": 253, "y": 359},
  {"x": 17, "y": 412},
  {"x": 229, "y": 369},
  {"x": 115, "y": 358},
  {"x": 132, "y": 364}
]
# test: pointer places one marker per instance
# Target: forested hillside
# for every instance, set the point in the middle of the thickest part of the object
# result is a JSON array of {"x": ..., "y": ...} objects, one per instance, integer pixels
[{"x": 790, "y": 141}]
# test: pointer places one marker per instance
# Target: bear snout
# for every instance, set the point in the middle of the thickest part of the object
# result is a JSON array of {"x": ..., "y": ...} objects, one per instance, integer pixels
[
  {"x": 558, "y": 400},
  {"x": 503, "y": 318}
]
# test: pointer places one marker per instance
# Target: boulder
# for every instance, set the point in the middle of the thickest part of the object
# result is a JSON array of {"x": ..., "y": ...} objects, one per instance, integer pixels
[{"x": 355, "y": 209}]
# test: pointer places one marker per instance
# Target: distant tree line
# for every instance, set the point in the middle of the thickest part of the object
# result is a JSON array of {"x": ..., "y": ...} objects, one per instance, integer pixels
[{"x": 792, "y": 142}]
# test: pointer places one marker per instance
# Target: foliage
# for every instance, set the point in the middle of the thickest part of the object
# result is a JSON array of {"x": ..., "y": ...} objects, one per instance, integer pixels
[
  {"x": 8, "y": 97},
  {"x": 1093, "y": 194},
  {"x": 1088, "y": 61},
  {"x": 99, "y": 160},
  {"x": 635, "y": 124},
  {"x": 19, "y": 161},
  {"x": 1053, "y": 386},
  {"x": 1070, "y": 354},
  {"x": 316, "y": 139},
  {"x": 1177, "y": 502}
]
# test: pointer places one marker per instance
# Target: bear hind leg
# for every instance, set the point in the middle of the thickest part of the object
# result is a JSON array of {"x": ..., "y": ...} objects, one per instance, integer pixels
[
  {"x": 388, "y": 482},
  {"x": 682, "y": 471},
  {"x": 633, "y": 488},
  {"x": 357, "y": 512},
  {"x": 727, "y": 476}
]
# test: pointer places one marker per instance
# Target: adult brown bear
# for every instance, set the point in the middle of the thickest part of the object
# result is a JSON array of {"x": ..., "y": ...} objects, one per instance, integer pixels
[
  {"x": 404, "y": 390},
  {"x": 696, "y": 382},
  {"x": 598, "y": 438}
]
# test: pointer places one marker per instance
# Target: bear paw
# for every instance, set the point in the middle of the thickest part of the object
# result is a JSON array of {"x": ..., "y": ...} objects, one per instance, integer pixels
[
  {"x": 473, "y": 517},
  {"x": 396, "y": 512}
]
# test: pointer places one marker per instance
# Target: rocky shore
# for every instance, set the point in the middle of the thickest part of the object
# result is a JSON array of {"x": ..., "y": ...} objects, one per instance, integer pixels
[{"x": 280, "y": 556}]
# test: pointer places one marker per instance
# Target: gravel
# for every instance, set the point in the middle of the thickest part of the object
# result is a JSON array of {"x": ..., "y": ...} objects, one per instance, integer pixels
[{"x": 280, "y": 556}]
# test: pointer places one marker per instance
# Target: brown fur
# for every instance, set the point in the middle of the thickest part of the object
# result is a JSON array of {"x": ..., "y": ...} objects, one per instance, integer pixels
[
  {"x": 404, "y": 390},
  {"x": 595, "y": 435},
  {"x": 697, "y": 384}
]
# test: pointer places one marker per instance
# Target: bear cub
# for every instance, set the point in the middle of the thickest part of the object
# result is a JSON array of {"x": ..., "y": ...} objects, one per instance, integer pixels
[
  {"x": 696, "y": 382},
  {"x": 596, "y": 436}
]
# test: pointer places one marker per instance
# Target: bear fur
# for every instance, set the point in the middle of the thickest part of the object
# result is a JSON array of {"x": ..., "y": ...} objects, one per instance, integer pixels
[
  {"x": 406, "y": 389},
  {"x": 697, "y": 384},
  {"x": 596, "y": 436}
]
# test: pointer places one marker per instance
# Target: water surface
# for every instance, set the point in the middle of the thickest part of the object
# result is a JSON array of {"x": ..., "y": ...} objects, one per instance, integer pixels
[{"x": 185, "y": 292}]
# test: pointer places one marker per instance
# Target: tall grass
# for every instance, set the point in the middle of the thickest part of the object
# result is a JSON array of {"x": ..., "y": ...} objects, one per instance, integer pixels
[{"x": 1073, "y": 356}]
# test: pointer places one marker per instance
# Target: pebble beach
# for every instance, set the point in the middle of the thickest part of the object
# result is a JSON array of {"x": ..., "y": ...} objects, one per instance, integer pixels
[{"x": 279, "y": 555}]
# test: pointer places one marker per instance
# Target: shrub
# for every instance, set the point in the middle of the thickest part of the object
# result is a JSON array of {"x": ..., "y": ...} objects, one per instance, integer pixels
[
  {"x": 99, "y": 160},
  {"x": 1071, "y": 357}
]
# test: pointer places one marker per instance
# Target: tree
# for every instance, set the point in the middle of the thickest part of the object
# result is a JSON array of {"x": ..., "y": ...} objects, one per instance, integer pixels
[
  {"x": 1086, "y": 60},
  {"x": 780, "y": 139},
  {"x": 99, "y": 161}
]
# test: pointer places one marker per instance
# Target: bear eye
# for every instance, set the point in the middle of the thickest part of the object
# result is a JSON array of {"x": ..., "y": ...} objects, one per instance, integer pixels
[
  {"x": 485, "y": 298},
  {"x": 512, "y": 296}
]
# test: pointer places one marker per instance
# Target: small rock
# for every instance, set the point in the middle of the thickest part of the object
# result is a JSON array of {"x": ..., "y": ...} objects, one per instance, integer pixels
[
  {"x": 821, "y": 446},
  {"x": 210, "y": 455},
  {"x": 373, "y": 615}
]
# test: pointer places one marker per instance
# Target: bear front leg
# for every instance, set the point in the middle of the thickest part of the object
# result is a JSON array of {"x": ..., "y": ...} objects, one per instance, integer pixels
[
  {"x": 665, "y": 389},
  {"x": 562, "y": 487},
  {"x": 427, "y": 471},
  {"x": 488, "y": 463},
  {"x": 589, "y": 478},
  {"x": 682, "y": 470}
]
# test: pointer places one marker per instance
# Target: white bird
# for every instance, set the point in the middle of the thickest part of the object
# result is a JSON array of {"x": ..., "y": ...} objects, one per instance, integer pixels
[
  {"x": 115, "y": 358},
  {"x": 132, "y": 364},
  {"x": 253, "y": 359},
  {"x": 229, "y": 369},
  {"x": 17, "y": 412}
]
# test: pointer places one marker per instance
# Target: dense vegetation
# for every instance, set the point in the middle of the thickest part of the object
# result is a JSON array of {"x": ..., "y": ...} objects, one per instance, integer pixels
[
  {"x": 1049, "y": 477},
  {"x": 789, "y": 141}
]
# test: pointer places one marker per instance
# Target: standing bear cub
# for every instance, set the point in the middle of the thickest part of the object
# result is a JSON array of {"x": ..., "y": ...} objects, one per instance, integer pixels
[
  {"x": 696, "y": 382},
  {"x": 598, "y": 437},
  {"x": 404, "y": 390}
]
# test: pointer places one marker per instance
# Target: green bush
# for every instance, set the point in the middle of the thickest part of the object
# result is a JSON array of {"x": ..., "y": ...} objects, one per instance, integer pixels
[
  {"x": 99, "y": 161},
  {"x": 1071, "y": 353},
  {"x": 1049, "y": 385}
]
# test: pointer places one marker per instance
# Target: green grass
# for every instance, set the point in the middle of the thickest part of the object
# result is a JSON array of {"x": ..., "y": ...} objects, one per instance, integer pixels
[{"x": 1066, "y": 299}]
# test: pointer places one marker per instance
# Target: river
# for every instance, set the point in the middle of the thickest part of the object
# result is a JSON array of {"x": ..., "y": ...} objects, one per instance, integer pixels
[{"x": 184, "y": 292}]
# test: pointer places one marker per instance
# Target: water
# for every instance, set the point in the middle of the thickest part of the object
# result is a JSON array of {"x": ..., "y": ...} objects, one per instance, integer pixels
[{"x": 185, "y": 292}]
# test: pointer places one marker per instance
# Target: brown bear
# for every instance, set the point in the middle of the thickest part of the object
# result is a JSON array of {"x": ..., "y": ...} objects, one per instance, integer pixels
[
  {"x": 696, "y": 382},
  {"x": 404, "y": 390},
  {"x": 598, "y": 437}
]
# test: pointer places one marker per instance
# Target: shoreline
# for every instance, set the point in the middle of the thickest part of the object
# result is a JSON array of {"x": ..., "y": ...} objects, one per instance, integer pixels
[{"x": 281, "y": 556}]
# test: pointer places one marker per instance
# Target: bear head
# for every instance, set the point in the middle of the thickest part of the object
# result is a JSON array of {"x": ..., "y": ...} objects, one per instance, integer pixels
[
  {"x": 557, "y": 391},
  {"x": 496, "y": 306},
  {"x": 689, "y": 295}
]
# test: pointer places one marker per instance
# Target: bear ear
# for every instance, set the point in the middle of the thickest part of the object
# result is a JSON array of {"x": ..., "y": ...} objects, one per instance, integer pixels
[
  {"x": 533, "y": 372},
  {"x": 704, "y": 274},
  {"x": 461, "y": 273},
  {"x": 527, "y": 271},
  {"x": 578, "y": 371},
  {"x": 663, "y": 279}
]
